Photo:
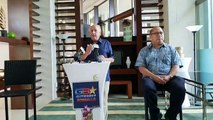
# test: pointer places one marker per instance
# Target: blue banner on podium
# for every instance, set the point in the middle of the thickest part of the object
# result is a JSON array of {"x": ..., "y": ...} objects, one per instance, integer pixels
[{"x": 85, "y": 94}]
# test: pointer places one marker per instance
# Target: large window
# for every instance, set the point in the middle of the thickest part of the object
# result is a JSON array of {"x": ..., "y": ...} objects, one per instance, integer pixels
[
  {"x": 103, "y": 15},
  {"x": 204, "y": 12},
  {"x": 91, "y": 19},
  {"x": 122, "y": 7},
  {"x": 105, "y": 12}
]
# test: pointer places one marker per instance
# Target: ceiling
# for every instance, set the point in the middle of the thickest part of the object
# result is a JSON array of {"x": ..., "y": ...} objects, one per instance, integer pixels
[{"x": 88, "y": 5}]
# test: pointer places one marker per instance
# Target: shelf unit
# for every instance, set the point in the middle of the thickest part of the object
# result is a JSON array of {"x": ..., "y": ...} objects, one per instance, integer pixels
[
  {"x": 121, "y": 43},
  {"x": 25, "y": 30},
  {"x": 67, "y": 22},
  {"x": 151, "y": 14},
  {"x": 121, "y": 73},
  {"x": 36, "y": 43}
]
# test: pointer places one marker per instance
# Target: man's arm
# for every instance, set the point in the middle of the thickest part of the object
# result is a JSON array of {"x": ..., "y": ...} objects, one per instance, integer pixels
[
  {"x": 147, "y": 73},
  {"x": 87, "y": 52},
  {"x": 173, "y": 71},
  {"x": 171, "y": 74},
  {"x": 84, "y": 56}
]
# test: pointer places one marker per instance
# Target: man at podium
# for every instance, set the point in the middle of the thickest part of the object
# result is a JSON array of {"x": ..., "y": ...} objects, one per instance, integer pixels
[{"x": 99, "y": 50}]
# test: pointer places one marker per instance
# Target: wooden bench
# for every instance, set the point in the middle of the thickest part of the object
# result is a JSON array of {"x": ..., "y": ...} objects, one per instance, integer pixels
[{"x": 128, "y": 83}]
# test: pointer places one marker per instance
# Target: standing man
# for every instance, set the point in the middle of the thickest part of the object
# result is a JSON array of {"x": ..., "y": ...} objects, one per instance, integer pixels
[
  {"x": 99, "y": 50},
  {"x": 159, "y": 63}
]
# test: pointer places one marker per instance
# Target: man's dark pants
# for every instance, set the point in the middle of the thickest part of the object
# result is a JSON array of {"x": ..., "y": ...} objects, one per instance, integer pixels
[{"x": 177, "y": 91}]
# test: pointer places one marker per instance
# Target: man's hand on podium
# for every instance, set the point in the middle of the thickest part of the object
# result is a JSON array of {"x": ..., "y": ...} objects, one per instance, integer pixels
[{"x": 103, "y": 59}]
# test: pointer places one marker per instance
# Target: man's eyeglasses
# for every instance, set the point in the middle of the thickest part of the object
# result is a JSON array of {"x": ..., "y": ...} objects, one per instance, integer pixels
[{"x": 156, "y": 33}]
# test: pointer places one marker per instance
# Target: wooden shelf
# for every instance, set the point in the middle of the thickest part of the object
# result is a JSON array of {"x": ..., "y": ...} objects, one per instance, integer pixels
[
  {"x": 64, "y": 4},
  {"x": 151, "y": 5},
  {"x": 69, "y": 37},
  {"x": 64, "y": 16},
  {"x": 68, "y": 10},
  {"x": 37, "y": 58},
  {"x": 65, "y": 50},
  {"x": 13, "y": 41},
  {"x": 35, "y": 21},
  {"x": 35, "y": 28},
  {"x": 38, "y": 80},
  {"x": 34, "y": 13},
  {"x": 123, "y": 71},
  {"x": 122, "y": 43},
  {"x": 37, "y": 73},
  {"x": 122, "y": 15},
  {"x": 151, "y": 13},
  {"x": 36, "y": 50},
  {"x": 153, "y": 20},
  {"x": 21, "y": 49},
  {"x": 38, "y": 66},
  {"x": 65, "y": 43},
  {"x": 151, "y": 0},
  {"x": 34, "y": 6},
  {"x": 38, "y": 95},
  {"x": 67, "y": 23},
  {"x": 36, "y": 43},
  {"x": 61, "y": 57},
  {"x": 36, "y": 36},
  {"x": 65, "y": 30},
  {"x": 146, "y": 27},
  {"x": 38, "y": 87}
]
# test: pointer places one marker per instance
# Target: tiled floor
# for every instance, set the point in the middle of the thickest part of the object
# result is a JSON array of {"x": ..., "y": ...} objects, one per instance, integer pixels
[
  {"x": 13, "y": 114},
  {"x": 119, "y": 109},
  {"x": 20, "y": 114}
]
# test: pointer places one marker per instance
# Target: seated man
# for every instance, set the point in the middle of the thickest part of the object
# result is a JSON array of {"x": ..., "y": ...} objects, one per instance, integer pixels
[{"x": 159, "y": 63}]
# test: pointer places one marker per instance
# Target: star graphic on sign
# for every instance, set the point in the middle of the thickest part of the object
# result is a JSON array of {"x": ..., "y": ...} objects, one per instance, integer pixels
[{"x": 92, "y": 90}]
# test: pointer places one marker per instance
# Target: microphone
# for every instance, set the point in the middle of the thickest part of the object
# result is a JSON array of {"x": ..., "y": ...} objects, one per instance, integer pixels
[
  {"x": 77, "y": 55},
  {"x": 95, "y": 46},
  {"x": 96, "y": 51}
]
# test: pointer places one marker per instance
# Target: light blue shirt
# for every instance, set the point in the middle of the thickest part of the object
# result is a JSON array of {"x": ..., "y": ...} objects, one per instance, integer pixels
[
  {"x": 158, "y": 60},
  {"x": 105, "y": 49}
]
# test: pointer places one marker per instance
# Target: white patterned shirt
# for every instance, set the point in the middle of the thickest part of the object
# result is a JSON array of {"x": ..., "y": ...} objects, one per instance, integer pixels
[{"x": 158, "y": 60}]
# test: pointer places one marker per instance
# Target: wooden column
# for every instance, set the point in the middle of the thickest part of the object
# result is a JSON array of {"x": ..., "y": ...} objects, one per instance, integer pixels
[{"x": 139, "y": 38}]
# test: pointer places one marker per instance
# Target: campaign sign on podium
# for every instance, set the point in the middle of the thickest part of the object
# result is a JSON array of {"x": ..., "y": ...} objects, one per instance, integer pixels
[
  {"x": 85, "y": 94},
  {"x": 84, "y": 73}
]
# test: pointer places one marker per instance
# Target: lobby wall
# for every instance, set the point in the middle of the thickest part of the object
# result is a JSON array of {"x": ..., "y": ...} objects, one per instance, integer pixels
[{"x": 179, "y": 14}]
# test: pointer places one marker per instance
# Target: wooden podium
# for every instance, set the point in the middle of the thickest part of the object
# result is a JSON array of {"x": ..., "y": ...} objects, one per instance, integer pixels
[{"x": 88, "y": 72}]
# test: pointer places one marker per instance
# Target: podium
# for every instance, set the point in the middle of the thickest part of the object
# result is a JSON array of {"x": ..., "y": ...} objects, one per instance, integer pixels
[{"x": 80, "y": 73}]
